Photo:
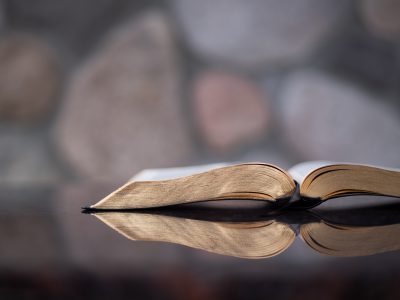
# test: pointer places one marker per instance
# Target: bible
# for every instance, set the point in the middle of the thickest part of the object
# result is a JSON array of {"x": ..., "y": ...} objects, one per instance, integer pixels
[{"x": 303, "y": 186}]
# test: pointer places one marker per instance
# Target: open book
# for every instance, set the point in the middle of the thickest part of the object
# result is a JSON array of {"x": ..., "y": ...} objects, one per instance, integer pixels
[
  {"x": 366, "y": 232},
  {"x": 303, "y": 186}
]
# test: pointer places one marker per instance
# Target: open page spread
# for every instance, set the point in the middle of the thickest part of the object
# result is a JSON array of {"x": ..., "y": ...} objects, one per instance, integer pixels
[
  {"x": 301, "y": 170},
  {"x": 298, "y": 172}
]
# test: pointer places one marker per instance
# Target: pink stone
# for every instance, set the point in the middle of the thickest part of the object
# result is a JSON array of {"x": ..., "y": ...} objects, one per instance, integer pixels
[{"x": 229, "y": 109}]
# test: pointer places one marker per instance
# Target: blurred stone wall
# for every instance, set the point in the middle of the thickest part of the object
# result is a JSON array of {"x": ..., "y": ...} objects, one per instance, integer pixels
[{"x": 99, "y": 89}]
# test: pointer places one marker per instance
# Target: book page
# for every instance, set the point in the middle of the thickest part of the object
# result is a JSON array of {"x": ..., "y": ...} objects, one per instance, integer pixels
[
  {"x": 172, "y": 173},
  {"x": 301, "y": 170}
]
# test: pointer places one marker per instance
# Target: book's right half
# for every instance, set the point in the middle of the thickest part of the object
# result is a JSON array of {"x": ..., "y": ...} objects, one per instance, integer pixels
[{"x": 337, "y": 180}]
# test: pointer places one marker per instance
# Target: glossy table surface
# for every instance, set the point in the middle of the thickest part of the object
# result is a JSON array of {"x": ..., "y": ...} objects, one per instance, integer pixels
[{"x": 50, "y": 249}]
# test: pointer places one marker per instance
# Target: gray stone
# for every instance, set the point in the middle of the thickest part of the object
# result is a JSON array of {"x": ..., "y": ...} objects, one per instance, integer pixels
[
  {"x": 250, "y": 33},
  {"x": 122, "y": 109},
  {"x": 26, "y": 159},
  {"x": 325, "y": 118},
  {"x": 2, "y": 17},
  {"x": 230, "y": 110},
  {"x": 76, "y": 24},
  {"x": 372, "y": 61},
  {"x": 29, "y": 79},
  {"x": 382, "y": 17}
]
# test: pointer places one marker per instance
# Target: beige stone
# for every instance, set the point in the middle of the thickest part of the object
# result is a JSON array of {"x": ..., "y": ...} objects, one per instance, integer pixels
[
  {"x": 382, "y": 17},
  {"x": 29, "y": 79},
  {"x": 123, "y": 112}
]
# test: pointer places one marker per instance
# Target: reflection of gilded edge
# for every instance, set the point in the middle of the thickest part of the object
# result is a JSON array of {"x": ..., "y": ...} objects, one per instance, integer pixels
[
  {"x": 247, "y": 240},
  {"x": 256, "y": 239}
]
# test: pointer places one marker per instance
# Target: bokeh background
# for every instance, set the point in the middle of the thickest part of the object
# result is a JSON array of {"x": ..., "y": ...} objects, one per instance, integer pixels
[
  {"x": 97, "y": 90},
  {"x": 93, "y": 91}
]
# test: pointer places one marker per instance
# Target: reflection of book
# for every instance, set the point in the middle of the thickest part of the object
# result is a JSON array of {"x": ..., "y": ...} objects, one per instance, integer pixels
[
  {"x": 317, "y": 182},
  {"x": 265, "y": 237},
  {"x": 247, "y": 240}
]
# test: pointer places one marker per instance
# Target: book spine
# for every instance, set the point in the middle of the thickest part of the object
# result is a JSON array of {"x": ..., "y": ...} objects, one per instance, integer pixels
[{"x": 299, "y": 202}]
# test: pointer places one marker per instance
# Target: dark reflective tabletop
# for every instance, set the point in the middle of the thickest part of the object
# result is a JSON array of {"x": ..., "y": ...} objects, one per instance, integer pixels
[{"x": 50, "y": 249}]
